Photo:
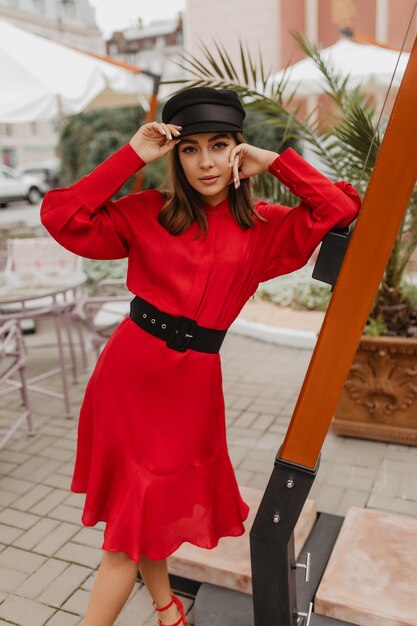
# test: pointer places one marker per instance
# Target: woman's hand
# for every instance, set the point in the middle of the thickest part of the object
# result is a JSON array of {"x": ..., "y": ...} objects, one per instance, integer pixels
[
  {"x": 154, "y": 140},
  {"x": 247, "y": 160}
]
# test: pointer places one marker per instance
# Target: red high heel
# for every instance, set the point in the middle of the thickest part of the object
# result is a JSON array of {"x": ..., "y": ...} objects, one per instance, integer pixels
[{"x": 181, "y": 621}]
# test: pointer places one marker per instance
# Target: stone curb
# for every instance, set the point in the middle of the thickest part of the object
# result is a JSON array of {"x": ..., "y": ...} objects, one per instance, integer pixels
[{"x": 302, "y": 339}]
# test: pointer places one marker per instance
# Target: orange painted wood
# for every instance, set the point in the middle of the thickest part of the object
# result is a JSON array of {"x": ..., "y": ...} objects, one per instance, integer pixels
[{"x": 379, "y": 220}]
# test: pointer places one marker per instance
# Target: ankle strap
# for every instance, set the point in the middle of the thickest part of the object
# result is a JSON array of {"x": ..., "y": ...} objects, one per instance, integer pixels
[{"x": 167, "y": 606}]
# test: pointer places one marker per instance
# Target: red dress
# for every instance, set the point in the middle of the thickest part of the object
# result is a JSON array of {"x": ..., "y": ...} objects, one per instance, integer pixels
[{"x": 152, "y": 455}]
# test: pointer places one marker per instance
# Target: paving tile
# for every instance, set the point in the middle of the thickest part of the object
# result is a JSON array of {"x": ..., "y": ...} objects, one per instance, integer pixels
[
  {"x": 243, "y": 477},
  {"x": 41, "y": 579},
  {"x": 7, "y": 468},
  {"x": 66, "y": 514},
  {"x": 60, "y": 481},
  {"x": 78, "y": 602},
  {"x": 25, "y": 612},
  {"x": 56, "y": 538},
  {"x": 11, "y": 517},
  {"x": 9, "y": 534},
  {"x": 89, "y": 537},
  {"x": 67, "y": 469},
  {"x": 7, "y": 497},
  {"x": 34, "y": 535},
  {"x": 62, "y": 618},
  {"x": 58, "y": 454},
  {"x": 13, "y": 456},
  {"x": 47, "y": 504},
  {"x": 32, "y": 497},
  {"x": 20, "y": 560},
  {"x": 76, "y": 553},
  {"x": 10, "y": 579},
  {"x": 138, "y": 609},
  {"x": 76, "y": 500},
  {"x": 65, "y": 584},
  {"x": 16, "y": 485},
  {"x": 396, "y": 505}
]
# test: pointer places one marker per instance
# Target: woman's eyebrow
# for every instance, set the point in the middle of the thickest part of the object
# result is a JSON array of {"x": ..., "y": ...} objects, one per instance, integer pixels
[{"x": 215, "y": 138}]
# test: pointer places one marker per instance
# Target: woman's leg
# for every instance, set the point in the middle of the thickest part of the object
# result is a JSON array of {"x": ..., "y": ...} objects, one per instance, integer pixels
[
  {"x": 156, "y": 579},
  {"x": 112, "y": 587}
]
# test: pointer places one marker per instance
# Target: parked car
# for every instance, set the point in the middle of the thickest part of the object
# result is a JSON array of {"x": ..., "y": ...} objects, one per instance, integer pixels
[
  {"x": 14, "y": 186},
  {"x": 48, "y": 171}
]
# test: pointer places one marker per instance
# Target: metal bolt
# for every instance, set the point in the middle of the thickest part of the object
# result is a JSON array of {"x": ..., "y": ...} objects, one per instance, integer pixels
[
  {"x": 276, "y": 518},
  {"x": 290, "y": 483}
]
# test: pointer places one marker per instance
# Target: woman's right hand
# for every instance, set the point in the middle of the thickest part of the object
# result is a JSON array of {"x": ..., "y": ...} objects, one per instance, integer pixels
[{"x": 154, "y": 140}]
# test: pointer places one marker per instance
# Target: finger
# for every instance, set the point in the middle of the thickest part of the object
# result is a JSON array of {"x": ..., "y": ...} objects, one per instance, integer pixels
[
  {"x": 236, "y": 163},
  {"x": 175, "y": 130}
]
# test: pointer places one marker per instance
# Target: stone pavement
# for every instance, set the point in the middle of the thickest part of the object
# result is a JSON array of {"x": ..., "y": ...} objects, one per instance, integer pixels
[{"x": 48, "y": 559}]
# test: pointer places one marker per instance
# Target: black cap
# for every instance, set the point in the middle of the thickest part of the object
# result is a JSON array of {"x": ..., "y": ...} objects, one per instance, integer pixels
[{"x": 204, "y": 110}]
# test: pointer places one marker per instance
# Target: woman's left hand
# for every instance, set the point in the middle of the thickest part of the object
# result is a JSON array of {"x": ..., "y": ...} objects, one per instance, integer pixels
[{"x": 247, "y": 160}]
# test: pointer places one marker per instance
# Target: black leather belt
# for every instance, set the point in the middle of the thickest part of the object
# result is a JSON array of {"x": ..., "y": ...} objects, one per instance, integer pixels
[{"x": 180, "y": 332}]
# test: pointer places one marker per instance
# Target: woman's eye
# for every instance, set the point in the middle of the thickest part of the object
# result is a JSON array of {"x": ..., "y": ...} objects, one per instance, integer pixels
[
  {"x": 220, "y": 144},
  {"x": 188, "y": 149}
]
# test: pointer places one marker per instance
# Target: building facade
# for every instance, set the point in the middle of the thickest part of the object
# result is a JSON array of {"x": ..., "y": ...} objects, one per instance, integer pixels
[
  {"x": 152, "y": 48},
  {"x": 266, "y": 26},
  {"x": 66, "y": 21}
]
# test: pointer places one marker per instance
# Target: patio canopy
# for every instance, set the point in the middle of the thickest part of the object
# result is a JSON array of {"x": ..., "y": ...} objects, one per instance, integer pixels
[
  {"x": 42, "y": 80},
  {"x": 370, "y": 66}
]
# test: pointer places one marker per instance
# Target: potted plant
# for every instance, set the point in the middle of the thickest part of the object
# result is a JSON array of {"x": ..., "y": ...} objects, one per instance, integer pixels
[{"x": 379, "y": 399}]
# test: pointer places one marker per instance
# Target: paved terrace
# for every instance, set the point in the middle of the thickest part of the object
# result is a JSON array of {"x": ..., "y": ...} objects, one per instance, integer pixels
[{"x": 48, "y": 559}]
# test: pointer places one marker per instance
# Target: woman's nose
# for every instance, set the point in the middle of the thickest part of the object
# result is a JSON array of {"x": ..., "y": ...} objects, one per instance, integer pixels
[{"x": 205, "y": 159}]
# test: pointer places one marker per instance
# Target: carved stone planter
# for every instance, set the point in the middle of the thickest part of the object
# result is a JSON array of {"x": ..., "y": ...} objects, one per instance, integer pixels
[{"x": 379, "y": 398}]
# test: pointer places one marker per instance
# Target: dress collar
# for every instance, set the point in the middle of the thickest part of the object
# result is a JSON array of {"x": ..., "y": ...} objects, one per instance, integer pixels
[{"x": 221, "y": 207}]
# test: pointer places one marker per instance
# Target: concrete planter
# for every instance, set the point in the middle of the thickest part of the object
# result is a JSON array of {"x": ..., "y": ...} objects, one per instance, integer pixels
[{"x": 379, "y": 398}]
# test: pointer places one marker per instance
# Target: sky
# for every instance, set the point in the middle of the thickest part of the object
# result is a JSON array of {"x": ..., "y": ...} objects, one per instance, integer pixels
[{"x": 111, "y": 15}]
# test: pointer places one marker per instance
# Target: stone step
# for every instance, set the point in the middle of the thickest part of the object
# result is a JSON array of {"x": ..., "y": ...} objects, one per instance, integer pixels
[
  {"x": 372, "y": 572},
  {"x": 228, "y": 565}
]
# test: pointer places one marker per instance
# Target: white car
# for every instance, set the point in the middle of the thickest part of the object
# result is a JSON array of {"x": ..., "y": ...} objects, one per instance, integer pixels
[{"x": 19, "y": 187}]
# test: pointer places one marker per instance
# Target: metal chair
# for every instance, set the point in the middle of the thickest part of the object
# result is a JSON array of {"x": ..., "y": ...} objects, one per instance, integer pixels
[
  {"x": 13, "y": 361},
  {"x": 37, "y": 266},
  {"x": 105, "y": 310}
]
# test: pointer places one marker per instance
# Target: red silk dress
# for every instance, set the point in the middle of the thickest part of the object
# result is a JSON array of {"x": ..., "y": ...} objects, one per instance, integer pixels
[{"x": 152, "y": 455}]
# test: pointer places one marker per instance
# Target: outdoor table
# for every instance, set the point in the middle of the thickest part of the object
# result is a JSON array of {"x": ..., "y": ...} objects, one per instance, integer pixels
[{"x": 56, "y": 302}]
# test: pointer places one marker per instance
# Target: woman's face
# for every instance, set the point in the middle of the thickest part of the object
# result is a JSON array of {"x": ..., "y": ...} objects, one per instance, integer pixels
[{"x": 205, "y": 160}]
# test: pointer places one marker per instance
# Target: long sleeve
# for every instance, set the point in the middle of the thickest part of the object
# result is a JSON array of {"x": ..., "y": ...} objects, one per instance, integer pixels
[
  {"x": 291, "y": 235},
  {"x": 82, "y": 217}
]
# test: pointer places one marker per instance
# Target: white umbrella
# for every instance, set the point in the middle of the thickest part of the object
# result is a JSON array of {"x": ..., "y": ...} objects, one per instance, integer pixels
[
  {"x": 369, "y": 66},
  {"x": 42, "y": 80}
]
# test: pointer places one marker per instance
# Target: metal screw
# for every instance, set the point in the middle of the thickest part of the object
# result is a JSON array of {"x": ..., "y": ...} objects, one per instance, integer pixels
[
  {"x": 290, "y": 483},
  {"x": 276, "y": 518}
]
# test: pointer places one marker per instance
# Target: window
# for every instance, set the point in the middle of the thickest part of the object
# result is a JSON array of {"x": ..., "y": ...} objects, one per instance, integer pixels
[
  {"x": 6, "y": 130},
  {"x": 39, "y": 6},
  {"x": 69, "y": 7}
]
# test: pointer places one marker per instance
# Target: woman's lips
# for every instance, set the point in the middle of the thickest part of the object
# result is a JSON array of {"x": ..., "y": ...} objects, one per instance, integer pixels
[{"x": 209, "y": 181}]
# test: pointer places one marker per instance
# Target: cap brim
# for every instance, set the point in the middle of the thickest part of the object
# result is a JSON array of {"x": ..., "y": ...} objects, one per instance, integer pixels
[{"x": 209, "y": 127}]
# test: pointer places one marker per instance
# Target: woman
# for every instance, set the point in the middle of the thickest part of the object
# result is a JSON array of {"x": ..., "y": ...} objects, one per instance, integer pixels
[{"x": 152, "y": 456}]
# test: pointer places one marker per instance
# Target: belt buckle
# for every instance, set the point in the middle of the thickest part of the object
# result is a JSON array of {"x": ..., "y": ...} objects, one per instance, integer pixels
[{"x": 182, "y": 333}]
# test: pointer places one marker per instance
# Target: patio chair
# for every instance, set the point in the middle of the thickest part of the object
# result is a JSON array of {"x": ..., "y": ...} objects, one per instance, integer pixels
[
  {"x": 13, "y": 361},
  {"x": 105, "y": 310},
  {"x": 45, "y": 281},
  {"x": 40, "y": 262}
]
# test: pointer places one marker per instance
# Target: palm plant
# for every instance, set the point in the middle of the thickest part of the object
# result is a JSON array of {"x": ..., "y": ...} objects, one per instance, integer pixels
[{"x": 347, "y": 146}]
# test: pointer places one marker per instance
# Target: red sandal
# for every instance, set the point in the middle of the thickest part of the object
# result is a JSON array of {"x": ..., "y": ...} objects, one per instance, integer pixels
[{"x": 181, "y": 621}]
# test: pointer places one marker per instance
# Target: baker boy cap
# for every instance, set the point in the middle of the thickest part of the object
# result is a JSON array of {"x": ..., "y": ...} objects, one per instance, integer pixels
[{"x": 204, "y": 110}]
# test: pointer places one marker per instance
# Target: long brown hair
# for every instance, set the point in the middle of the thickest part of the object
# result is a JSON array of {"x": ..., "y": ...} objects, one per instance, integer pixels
[{"x": 184, "y": 205}]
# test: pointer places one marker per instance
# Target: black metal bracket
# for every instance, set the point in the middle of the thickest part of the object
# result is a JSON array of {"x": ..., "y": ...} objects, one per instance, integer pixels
[
  {"x": 330, "y": 258},
  {"x": 272, "y": 545}
]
